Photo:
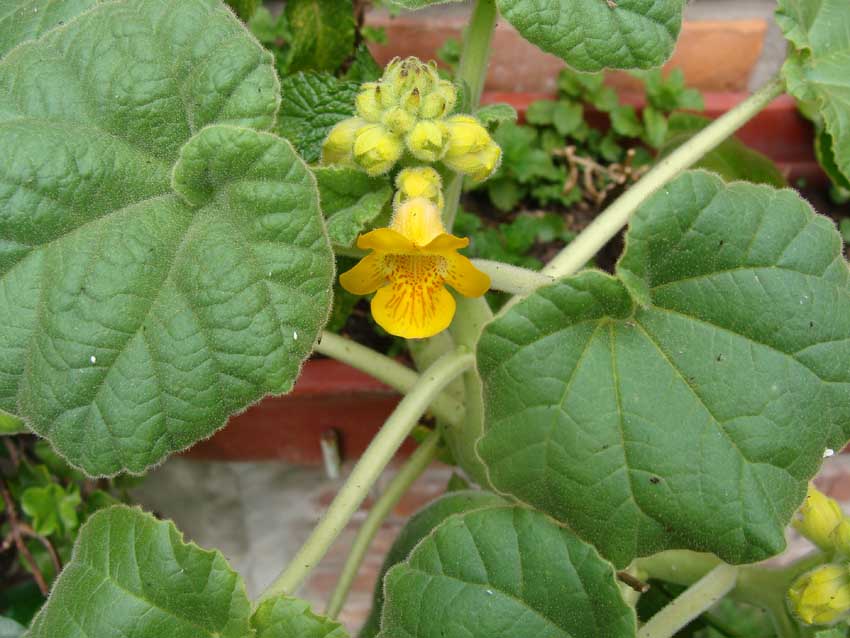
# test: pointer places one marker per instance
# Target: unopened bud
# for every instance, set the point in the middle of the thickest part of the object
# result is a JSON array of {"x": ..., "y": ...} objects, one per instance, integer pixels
[
  {"x": 426, "y": 141},
  {"x": 817, "y": 518},
  {"x": 339, "y": 144},
  {"x": 368, "y": 102},
  {"x": 398, "y": 120},
  {"x": 420, "y": 182},
  {"x": 821, "y": 596},
  {"x": 439, "y": 102},
  {"x": 419, "y": 220},
  {"x": 376, "y": 149},
  {"x": 840, "y": 538}
]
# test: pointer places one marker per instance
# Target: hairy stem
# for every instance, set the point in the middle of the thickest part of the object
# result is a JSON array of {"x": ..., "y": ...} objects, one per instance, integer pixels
[
  {"x": 376, "y": 457},
  {"x": 512, "y": 279},
  {"x": 699, "y": 597},
  {"x": 401, "y": 482},
  {"x": 472, "y": 72},
  {"x": 386, "y": 370},
  {"x": 578, "y": 252}
]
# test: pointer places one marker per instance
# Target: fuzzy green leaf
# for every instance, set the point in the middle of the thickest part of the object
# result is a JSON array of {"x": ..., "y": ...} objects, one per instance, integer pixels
[
  {"x": 419, "y": 4},
  {"x": 312, "y": 104},
  {"x": 686, "y": 403},
  {"x": 140, "y": 313},
  {"x": 245, "y": 9},
  {"x": 816, "y": 68},
  {"x": 504, "y": 572},
  {"x": 418, "y": 527},
  {"x": 132, "y": 576},
  {"x": 322, "y": 33},
  {"x": 293, "y": 618},
  {"x": 24, "y": 20},
  {"x": 492, "y": 115},
  {"x": 52, "y": 508},
  {"x": 351, "y": 201},
  {"x": 591, "y": 35}
]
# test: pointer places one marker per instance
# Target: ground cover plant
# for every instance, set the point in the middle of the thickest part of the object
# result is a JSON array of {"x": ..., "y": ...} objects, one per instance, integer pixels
[{"x": 173, "y": 200}]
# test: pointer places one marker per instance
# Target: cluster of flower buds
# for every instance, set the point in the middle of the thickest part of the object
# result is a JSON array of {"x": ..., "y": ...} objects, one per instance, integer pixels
[
  {"x": 822, "y": 596},
  {"x": 408, "y": 109}
]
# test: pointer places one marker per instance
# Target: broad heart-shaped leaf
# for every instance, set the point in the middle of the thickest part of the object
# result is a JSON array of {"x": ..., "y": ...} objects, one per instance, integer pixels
[
  {"x": 351, "y": 201},
  {"x": 418, "y": 527},
  {"x": 132, "y": 576},
  {"x": 817, "y": 69},
  {"x": 504, "y": 572},
  {"x": 312, "y": 104},
  {"x": 292, "y": 618},
  {"x": 134, "y": 319},
  {"x": 691, "y": 413},
  {"x": 24, "y": 20},
  {"x": 591, "y": 35},
  {"x": 322, "y": 33}
]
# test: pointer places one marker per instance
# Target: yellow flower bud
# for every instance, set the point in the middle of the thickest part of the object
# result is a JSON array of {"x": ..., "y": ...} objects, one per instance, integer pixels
[
  {"x": 821, "y": 596},
  {"x": 368, "y": 102},
  {"x": 426, "y": 141},
  {"x": 376, "y": 149},
  {"x": 439, "y": 102},
  {"x": 817, "y": 518},
  {"x": 419, "y": 220},
  {"x": 840, "y": 538},
  {"x": 398, "y": 120},
  {"x": 419, "y": 182},
  {"x": 339, "y": 144},
  {"x": 466, "y": 135}
]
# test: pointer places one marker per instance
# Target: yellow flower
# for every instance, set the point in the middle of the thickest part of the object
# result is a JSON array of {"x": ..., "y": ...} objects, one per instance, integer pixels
[
  {"x": 817, "y": 518},
  {"x": 822, "y": 596},
  {"x": 419, "y": 181},
  {"x": 409, "y": 266},
  {"x": 470, "y": 149},
  {"x": 376, "y": 149},
  {"x": 339, "y": 144}
]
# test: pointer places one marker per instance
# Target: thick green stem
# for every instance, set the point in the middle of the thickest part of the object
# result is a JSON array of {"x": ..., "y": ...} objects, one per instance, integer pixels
[
  {"x": 608, "y": 223},
  {"x": 512, "y": 279},
  {"x": 472, "y": 72},
  {"x": 385, "y": 369},
  {"x": 698, "y": 598},
  {"x": 376, "y": 457},
  {"x": 401, "y": 482}
]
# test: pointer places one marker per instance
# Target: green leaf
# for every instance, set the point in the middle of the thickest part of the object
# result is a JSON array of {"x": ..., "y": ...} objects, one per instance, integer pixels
[
  {"x": 322, "y": 33},
  {"x": 312, "y": 104},
  {"x": 10, "y": 629},
  {"x": 505, "y": 193},
  {"x": 418, "y": 527},
  {"x": 292, "y": 618},
  {"x": 363, "y": 67},
  {"x": 493, "y": 115},
  {"x": 686, "y": 403},
  {"x": 816, "y": 68},
  {"x": 591, "y": 35},
  {"x": 351, "y": 201},
  {"x": 133, "y": 576},
  {"x": 419, "y": 4},
  {"x": 732, "y": 159},
  {"x": 52, "y": 509},
  {"x": 140, "y": 314},
  {"x": 567, "y": 116},
  {"x": 625, "y": 122},
  {"x": 540, "y": 112},
  {"x": 10, "y": 424},
  {"x": 504, "y": 571},
  {"x": 655, "y": 127},
  {"x": 31, "y": 18},
  {"x": 245, "y": 9}
]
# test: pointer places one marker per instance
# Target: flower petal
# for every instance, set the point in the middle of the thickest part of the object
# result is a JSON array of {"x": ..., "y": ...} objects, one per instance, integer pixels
[
  {"x": 415, "y": 304},
  {"x": 461, "y": 275},
  {"x": 367, "y": 276},
  {"x": 445, "y": 243},
  {"x": 385, "y": 239}
]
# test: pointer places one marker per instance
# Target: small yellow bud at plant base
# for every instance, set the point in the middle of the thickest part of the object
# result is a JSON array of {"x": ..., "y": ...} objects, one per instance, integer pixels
[
  {"x": 376, "y": 149},
  {"x": 817, "y": 518},
  {"x": 821, "y": 596},
  {"x": 413, "y": 183},
  {"x": 339, "y": 144},
  {"x": 398, "y": 120},
  {"x": 426, "y": 141},
  {"x": 368, "y": 102}
]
